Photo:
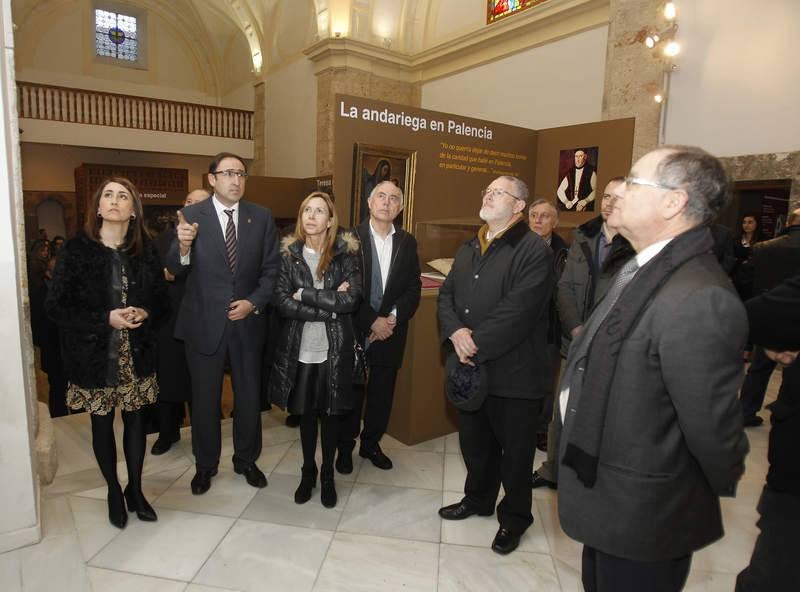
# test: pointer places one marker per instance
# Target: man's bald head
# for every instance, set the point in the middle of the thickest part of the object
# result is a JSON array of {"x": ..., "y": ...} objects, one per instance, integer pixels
[
  {"x": 196, "y": 196},
  {"x": 794, "y": 218}
]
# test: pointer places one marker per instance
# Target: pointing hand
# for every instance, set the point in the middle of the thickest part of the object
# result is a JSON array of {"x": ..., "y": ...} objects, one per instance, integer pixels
[{"x": 186, "y": 233}]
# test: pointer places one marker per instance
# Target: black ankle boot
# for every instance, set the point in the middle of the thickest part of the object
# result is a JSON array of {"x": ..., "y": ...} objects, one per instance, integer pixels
[
  {"x": 117, "y": 515},
  {"x": 327, "y": 490},
  {"x": 307, "y": 483},
  {"x": 137, "y": 503}
]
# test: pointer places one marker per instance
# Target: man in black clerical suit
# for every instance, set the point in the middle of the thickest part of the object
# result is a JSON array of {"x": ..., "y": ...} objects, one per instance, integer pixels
[
  {"x": 391, "y": 296},
  {"x": 577, "y": 188},
  {"x": 230, "y": 247}
]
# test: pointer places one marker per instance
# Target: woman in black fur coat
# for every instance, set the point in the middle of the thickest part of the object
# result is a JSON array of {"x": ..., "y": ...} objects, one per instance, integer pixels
[{"x": 106, "y": 291}]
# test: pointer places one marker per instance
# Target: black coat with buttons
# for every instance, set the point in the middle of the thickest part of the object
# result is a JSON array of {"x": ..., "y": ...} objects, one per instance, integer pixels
[
  {"x": 503, "y": 296},
  {"x": 86, "y": 287},
  {"x": 328, "y": 305}
]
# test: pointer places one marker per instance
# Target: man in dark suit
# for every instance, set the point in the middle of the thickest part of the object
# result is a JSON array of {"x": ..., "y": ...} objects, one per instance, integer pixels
[
  {"x": 391, "y": 296},
  {"x": 652, "y": 432},
  {"x": 230, "y": 247},
  {"x": 773, "y": 261},
  {"x": 775, "y": 324},
  {"x": 493, "y": 313}
]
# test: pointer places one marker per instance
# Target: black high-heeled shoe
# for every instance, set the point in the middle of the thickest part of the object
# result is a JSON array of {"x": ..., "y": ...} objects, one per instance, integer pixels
[
  {"x": 117, "y": 514},
  {"x": 137, "y": 503},
  {"x": 307, "y": 483}
]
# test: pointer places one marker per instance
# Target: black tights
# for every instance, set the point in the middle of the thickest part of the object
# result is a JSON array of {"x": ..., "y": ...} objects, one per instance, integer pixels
[
  {"x": 308, "y": 438},
  {"x": 105, "y": 448}
]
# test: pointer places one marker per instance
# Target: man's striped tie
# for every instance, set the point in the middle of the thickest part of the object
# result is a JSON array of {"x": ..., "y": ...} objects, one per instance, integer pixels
[{"x": 230, "y": 240}]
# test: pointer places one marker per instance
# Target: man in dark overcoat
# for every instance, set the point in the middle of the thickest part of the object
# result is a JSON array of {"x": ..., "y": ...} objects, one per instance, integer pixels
[
  {"x": 493, "y": 314},
  {"x": 652, "y": 433}
]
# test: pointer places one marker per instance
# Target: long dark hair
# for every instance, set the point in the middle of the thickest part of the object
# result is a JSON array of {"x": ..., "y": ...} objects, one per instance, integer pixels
[{"x": 137, "y": 232}]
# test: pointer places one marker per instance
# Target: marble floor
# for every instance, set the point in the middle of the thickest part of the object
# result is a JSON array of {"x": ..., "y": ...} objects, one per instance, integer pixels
[{"x": 383, "y": 535}]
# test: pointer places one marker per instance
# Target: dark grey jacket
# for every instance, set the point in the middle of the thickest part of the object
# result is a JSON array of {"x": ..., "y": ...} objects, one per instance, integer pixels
[
  {"x": 581, "y": 284},
  {"x": 210, "y": 284},
  {"x": 503, "y": 296},
  {"x": 672, "y": 440}
]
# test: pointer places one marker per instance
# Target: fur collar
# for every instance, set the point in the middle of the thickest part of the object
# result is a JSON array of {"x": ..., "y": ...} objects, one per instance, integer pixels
[{"x": 346, "y": 242}]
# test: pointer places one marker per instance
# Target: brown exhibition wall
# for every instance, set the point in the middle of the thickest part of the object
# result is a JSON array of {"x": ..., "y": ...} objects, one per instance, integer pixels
[
  {"x": 451, "y": 168},
  {"x": 614, "y": 140}
]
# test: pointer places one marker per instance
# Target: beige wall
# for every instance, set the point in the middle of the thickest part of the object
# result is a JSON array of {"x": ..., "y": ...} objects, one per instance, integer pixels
[
  {"x": 291, "y": 120},
  {"x": 560, "y": 83},
  {"x": 737, "y": 90},
  {"x": 48, "y": 167}
]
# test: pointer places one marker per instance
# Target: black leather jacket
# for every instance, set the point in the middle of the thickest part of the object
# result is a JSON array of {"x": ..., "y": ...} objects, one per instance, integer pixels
[{"x": 334, "y": 308}]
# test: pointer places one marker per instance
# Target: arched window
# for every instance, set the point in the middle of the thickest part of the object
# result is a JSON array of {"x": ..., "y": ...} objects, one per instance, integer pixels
[{"x": 497, "y": 9}]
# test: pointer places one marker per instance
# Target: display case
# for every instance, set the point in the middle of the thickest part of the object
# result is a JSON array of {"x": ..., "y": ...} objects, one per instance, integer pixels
[{"x": 440, "y": 239}]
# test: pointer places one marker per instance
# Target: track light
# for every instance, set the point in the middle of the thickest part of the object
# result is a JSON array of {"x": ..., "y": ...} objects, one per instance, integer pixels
[
  {"x": 672, "y": 49},
  {"x": 659, "y": 98},
  {"x": 670, "y": 11}
]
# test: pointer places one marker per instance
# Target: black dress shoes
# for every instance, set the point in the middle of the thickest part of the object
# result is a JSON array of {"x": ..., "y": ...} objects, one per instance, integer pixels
[
  {"x": 117, "y": 514},
  {"x": 376, "y": 457},
  {"x": 505, "y": 541},
  {"x": 137, "y": 503},
  {"x": 461, "y": 510},
  {"x": 201, "y": 482},
  {"x": 344, "y": 462},
  {"x": 753, "y": 421},
  {"x": 253, "y": 475},
  {"x": 538, "y": 481},
  {"x": 164, "y": 443}
]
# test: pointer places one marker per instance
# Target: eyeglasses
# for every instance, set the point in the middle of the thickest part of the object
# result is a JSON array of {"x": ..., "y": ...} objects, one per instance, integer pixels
[
  {"x": 645, "y": 183},
  {"x": 497, "y": 192},
  {"x": 230, "y": 173},
  {"x": 392, "y": 198}
]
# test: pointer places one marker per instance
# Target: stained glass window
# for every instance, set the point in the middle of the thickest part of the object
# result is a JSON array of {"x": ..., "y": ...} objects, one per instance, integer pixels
[
  {"x": 116, "y": 35},
  {"x": 497, "y": 9}
]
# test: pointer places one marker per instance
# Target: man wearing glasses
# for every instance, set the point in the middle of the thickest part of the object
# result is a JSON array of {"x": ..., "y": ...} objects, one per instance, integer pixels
[
  {"x": 230, "y": 248},
  {"x": 493, "y": 314},
  {"x": 652, "y": 433}
]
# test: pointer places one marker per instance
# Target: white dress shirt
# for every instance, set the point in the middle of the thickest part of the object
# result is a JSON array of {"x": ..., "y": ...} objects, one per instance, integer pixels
[
  {"x": 223, "y": 222},
  {"x": 383, "y": 248}
]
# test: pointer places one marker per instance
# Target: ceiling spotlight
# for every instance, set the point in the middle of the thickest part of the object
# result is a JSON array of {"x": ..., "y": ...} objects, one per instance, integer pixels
[
  {"x": 652, "y": 40},
  {"x": 659, "y": 98},
  {"x": 672, "y": 49},
  {"x": 669, "y": 11}
]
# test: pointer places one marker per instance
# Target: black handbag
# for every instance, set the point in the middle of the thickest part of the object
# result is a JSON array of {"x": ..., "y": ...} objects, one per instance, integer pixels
[{"x": 359, "y": 363}]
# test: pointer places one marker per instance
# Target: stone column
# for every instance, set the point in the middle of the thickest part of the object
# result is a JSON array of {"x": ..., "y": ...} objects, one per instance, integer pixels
[
  {"x": 633, "y": 72},
  {"x": 359, "y": 83},
  {"x": 259, "y": 164},
  {"x": 19, "y": 493}
]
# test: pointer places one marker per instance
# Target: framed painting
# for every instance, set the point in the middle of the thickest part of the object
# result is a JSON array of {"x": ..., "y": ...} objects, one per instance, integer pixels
[
  {"x": 577, "y": 176},
  {"x": 375, "y": 164}
]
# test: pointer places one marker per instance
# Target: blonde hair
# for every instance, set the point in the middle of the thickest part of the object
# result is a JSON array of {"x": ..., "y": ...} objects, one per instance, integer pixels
[{"x": 330, "y": 238}]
